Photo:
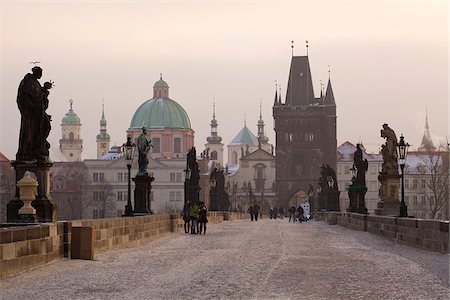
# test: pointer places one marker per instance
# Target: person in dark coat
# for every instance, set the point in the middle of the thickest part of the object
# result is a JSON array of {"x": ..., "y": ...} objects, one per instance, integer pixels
[
  {"x": 300, "y": 213},
  {"x": 186, "y": 216},
  {"x": 251, "y": 211},
  {"x": 281, "y": 213},
  {"x": 275, "y": 212},
  {"x": 202, "y": 218},
  {"x": 292, "y": 213},
  {"x": 256, "y": 211}
]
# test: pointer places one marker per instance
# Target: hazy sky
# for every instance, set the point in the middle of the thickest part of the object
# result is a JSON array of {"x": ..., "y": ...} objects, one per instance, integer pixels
[{"x": 389, "y": 62}]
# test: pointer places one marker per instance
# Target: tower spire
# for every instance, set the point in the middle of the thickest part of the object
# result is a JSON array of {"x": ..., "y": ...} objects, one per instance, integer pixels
[
  {"x": 427, "y": 141},
  {"x": 292, "y": 48},
  {"x": 262, "y": 138},
  {"x": 307, "y": 46},
  {"x": 275, "y": 101}
]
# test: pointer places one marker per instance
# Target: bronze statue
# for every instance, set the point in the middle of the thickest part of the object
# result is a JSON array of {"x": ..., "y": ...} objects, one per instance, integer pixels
[
  {"x": 143, "y": 146},
  {"x": 361, "y": 166},
  {"x": 32, "y": 101}
]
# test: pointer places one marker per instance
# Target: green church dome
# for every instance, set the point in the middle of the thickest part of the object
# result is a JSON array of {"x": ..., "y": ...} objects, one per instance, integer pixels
[
  {"x": 161, "y": 113},
  {"x": 71, "y": 117}
]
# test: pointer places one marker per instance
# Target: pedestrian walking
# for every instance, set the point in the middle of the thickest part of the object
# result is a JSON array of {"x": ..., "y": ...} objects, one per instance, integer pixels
[
  {"x": 202, "y": 218},
  {"x": 275, "y": 212},
  {"x": 250, "y": 210},
  {"x": 193, "y": 213},
  {"x": 300, "y": 212},
  {"x": 186, "y": 216},
  {"x": 256, "y": 211},
  {"x": 281, "y": 213},
  {"x": 271, "y": 212},
  {"x": 292, "y": 213}
]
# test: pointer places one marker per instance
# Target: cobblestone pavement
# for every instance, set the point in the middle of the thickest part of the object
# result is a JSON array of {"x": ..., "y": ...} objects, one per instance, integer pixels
[{"x": 268, "y": 259}]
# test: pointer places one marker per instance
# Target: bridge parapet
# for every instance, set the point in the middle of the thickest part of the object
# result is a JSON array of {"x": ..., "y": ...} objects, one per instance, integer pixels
[
  {"x": 25, "y": 247},
  {"x": 424, "y": 233}
]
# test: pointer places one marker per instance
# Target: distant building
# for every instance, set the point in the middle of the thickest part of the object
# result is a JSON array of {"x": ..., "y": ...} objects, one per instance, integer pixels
[
  {"x": 103, "y": 137},
  {"x": 214, "y": 146},
  {"x": 7, "y": 185},
  {"x": 427, "y": 179},
  {"x": 71, "y": 144},
  {"x": 305, "y": 129},
  {"x": 345, "y": 162}
]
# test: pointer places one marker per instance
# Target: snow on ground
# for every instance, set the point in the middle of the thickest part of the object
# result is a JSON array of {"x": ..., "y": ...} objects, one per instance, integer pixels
[{"x": 268, "y": 259}]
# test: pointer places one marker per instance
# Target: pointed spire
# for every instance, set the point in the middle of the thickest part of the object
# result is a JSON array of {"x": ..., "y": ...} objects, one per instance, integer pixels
[
  {"x": 71, "y": 103},
  {"x": 307, "y": 46},
  {"x": 275, "y": 101},
  {"x": 214, "y": 138},
  {"x": 260, "y": 109},
  {"x": 262, "y": 138},
  {"x": 245, "y": 120},
  {"x": 279, "y": 95},
  {"x": 214, "y": 109},
  {"x": 427, "y": 141},
  {"x": 329, "y": 96}
]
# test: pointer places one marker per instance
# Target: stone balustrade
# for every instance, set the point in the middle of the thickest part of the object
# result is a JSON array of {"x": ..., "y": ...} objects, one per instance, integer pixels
[
  {"x": 424, "y": 233},
  {"x": 25, "y": 247}
]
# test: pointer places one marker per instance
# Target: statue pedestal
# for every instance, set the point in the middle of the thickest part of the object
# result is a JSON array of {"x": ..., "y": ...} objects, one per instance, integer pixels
[
  {"x": 46, "y": 210},
  {"x": 142, "y": 205},
  {"x": 389, "y": 204},
  {"x": 356, "y": 194}
]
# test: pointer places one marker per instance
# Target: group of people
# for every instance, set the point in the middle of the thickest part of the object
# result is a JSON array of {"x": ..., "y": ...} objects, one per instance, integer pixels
[
  {"x": 253, "y": 210},
  {"x": 195, "y": 217},
  {"x": 276, "y": 213},
  {"x": 297, "y": 214}
]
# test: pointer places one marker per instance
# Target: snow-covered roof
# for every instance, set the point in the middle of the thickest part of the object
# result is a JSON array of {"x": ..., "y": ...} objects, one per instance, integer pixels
[
  {"x": 346, "y": 150},
  {"x": 232, "y": 169}
]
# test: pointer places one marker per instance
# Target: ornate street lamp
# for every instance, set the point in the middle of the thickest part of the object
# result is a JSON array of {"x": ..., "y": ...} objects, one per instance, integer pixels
[
  {"x": 187, "y": 179},
  {"x": 353, "y": 172},
  {"x": 402, "y": 149},
  {"x": 128, "y": 148}
]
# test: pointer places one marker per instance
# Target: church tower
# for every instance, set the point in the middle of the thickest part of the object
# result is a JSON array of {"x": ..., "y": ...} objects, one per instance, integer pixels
[
  {"x": 427, "y": 141},
  {"x": 103, "y": 137},
  {"x": 214, "y": 147},
  {"x": 305, "y": 129},
  {"x": 71, "y": 144}
]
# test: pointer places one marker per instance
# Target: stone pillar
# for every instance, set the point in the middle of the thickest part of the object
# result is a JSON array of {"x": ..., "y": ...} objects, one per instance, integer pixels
[
  {"x": 46, "y": 210},
  {"x": 142, "y": 205},
  {"x": 389, "y": 204},
  {"x": 356, "y": 194}
]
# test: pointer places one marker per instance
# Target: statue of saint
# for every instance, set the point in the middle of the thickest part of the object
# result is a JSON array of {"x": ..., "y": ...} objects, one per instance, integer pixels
[
  {"x": 389, "y": 151},
  {"x": 143, "y": 146},
  {"x": 361, "y": 166},
  {"x": 32, "y": 101}
]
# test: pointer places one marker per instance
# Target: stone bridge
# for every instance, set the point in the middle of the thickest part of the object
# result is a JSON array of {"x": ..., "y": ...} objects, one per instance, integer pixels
[{"x": 238, "y": 259}]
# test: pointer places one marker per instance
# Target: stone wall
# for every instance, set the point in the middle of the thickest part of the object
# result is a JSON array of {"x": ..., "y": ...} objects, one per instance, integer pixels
[
  {"x": 25, "y": 247},
  {"x": 428, "y": 234},
  {"x": 22, "y": 248}
]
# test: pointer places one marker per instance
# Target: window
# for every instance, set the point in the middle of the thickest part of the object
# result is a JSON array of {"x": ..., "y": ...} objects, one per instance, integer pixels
[
  {"x": 178, "y": 177},
  {"x": 119, "y": 196},
  {"x": 177, "y": 145},
  {"x": 174, "y": 196},
  {"x": 415, "y": 199},
  {"x": 71, "y": 136},
  {"x": 125, "y": 176},
  {"x": 424, "y": 200},
  {"x": 172, "y": 177},
  {"x": 414, "y": 183},
  {"x": 95, "y": 177},
  {"x": 156, "y": 142},
  {"x": 406, "y": 183},
  {"x": 432, "y": 200},
  {"x": 214, "y": 155},
  {"x": 422, "y": 184},
  {"x": 95, "y": 213},
  {"x": 234, "y": 157},
  {"x": 119, "y": 176},
  {"x": 101, "y": 176},
  {"x": 406, "y": 200}
]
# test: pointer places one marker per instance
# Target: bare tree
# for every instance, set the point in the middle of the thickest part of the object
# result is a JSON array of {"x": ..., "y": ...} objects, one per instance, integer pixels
[
  {"x": 432, "y": 175},
  {"x": 100, "y": 197}
]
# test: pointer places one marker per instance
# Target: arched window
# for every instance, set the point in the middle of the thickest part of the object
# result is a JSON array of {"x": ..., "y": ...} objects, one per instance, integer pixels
[
  {"x": 177, "y": 145},
  {"x": 156, "y": 142},
  {"x": 214, "y": 155},
  {"x": 71, "y": 136}
]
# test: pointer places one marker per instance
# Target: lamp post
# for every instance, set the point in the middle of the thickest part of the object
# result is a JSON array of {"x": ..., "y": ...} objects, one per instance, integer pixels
[
  {"x": 187, "y": 171},
  {"x": 319, "y": 204},
  {"x": 330, "y": 182},
  {"x": 402, "y": 149},
  {"x": 128, "y": 148},
  {"x": 213, "y": 194}
]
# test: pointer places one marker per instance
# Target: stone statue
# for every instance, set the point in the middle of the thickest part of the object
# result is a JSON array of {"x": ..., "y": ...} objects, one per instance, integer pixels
[
  {"x": 389, "y": 151},
  {"x": 32, "y": 101},
  {"x": 361, "y": 166},
  {"x": 143, "y": 146}
]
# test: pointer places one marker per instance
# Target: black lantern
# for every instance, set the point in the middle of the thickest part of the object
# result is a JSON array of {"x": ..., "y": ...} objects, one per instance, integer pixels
[
  {"x": 128, "y": 149},
  {"x": 353, "y": 171},
  {"x": 330, "y": 182},
  {"x": 402, "y": 149}
]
